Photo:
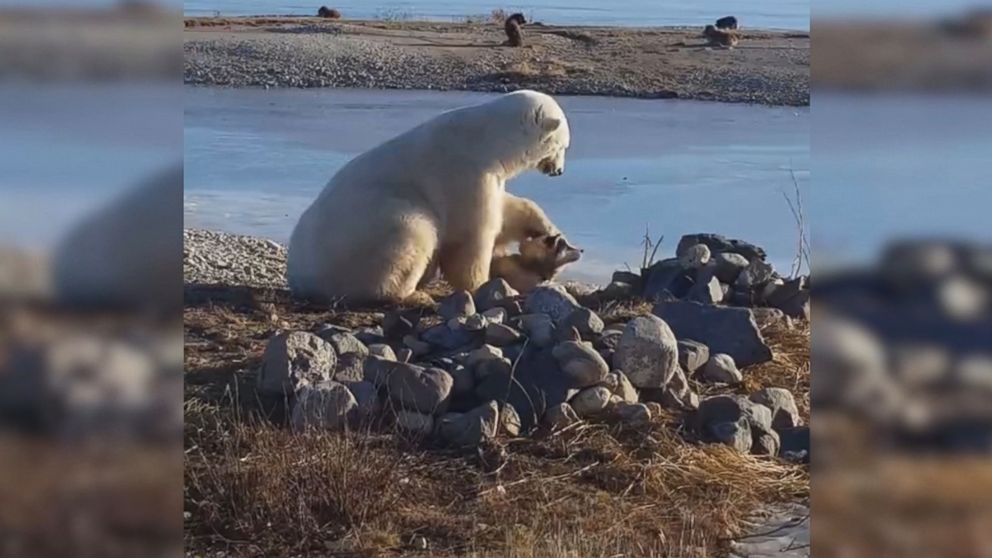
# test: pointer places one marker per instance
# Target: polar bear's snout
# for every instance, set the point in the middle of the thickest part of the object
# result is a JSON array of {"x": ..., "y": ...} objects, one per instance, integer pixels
[{"x": 552, "y": 166}]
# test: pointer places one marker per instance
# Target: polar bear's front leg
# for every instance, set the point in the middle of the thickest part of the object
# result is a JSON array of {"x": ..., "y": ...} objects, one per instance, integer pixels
[{"x": 465, "y": 265}]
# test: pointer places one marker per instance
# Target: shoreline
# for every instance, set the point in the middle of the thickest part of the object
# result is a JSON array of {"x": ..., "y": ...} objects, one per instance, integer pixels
[{"x": 767, "y": 68}]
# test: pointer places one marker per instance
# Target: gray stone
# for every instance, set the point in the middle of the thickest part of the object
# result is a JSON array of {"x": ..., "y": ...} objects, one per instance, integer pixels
[
  {"x": 706, "y": 291},
  {"x": 608, "y": 355},
  {"x": 798, "y": 306},
  {"x": 378, "y": 369},
  {"x": 628, "y": 277},
  {"x": 397, "y": 324},
  {"x": 586, "y": 322},
  {"x": 448, "y": 338},
  {"x": 404, "y": 355},
  {"x": 495, "y": 315},
  {"x": 327, "y": 330},
  {"x": 366, "y": 397},
  {"x": 667, "y": 278},
  {"x": 618, "y": 290},
  {"x": 730, "y": 408},
  {"x": 458, "y": 304},
  {"x": 293, "y": 360},
  {"x": 633, "y": 413},
  {"x": 539, "y": 328},
  {"x": 501, "y": 367},
  {"x": 648, "y": 352},
  {"x": 591, "y": 401},
  {"x": 471, "y": 428},
  {"x": 610, "y": 339},
  {"x": 719, "y": 243},
  {"x": 785, "y": 414},
  {"x": 346, "y": 343},
  {"x": 560, "y": 416},
  {"x": 415, "y": 423},
  {"x": 382, "y": 350},
  {"x": 670, "y": 399},
  {"x": 493, "y": 294},
  {"x": 419, "y": 348},
  {"x": 581, "y": 363},
  {"x": 370, "y": 335},
  {"x": 736, "y": 434},
  {"x": 419, "y": 389},
  {"x": 679, "y": 384},
  {"x": 350, "y": 368},
  {"x": 692, "y": 355},
  {"x": 485, "y": 352},
  {"x": 536, "y": 383},
  {"x": 765, "y": 442},
  {"x": 728, "y": 266},
  {"x": 551, "y": 300},
  {"x": 720, "y": 369},
  {"x": 513, "y": 352},
  {"x": 474, "y": 323},
  {"x": 579, "y": 289},
  {"x": 722, "y": 329},
  {"x": 513, "y": 307},
  {"x": 756, "y": 274},
  {"x": 563, "y": 333},
  {"x": 463, "y": 382},
  {"x": 695, "y": 256},
  {"x": 620, "y": 385},
  {"x": 501, "y": 335},
  {"x": 509, "y": 420},
  {"x": 326, "y": 405}
]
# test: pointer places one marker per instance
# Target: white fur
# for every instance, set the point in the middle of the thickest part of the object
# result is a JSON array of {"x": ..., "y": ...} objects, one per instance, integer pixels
[{"x": 439, "y": 187}]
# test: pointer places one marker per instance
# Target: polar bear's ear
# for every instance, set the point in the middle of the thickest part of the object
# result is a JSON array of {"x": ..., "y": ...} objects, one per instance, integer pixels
[{"x": 550, "y": 124}]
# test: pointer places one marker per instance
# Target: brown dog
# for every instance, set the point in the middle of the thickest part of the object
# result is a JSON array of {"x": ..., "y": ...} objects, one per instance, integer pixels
[
  {"x": 721, "y": 37},
  {"x": 514, "y": 37},
  {"x": 540, "y": 259}
]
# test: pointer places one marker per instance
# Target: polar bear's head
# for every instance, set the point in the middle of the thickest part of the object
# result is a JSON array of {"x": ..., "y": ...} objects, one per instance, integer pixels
[
  {"x": 532, "y": 132},
  {"x": 554, "y": 142},
  {"x": 552, "y": 133}
]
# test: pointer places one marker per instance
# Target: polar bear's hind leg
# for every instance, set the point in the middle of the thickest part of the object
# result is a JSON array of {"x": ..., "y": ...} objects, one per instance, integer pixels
[{"x": 410, "y": 243}]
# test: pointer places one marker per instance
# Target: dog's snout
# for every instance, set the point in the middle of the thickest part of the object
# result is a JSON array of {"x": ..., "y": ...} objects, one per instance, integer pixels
[{"x": 557, "y": 172}]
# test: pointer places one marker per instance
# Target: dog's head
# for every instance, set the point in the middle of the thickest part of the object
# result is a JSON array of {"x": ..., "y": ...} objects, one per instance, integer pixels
[{"x": 554, "y": 249}]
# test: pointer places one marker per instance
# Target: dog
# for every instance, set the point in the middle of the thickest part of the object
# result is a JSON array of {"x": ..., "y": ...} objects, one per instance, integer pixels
[{"x": 540, "y": 259}]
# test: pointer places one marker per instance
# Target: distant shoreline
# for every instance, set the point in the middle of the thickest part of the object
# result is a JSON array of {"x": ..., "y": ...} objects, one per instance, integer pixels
[{"x": 768, "y": 67}]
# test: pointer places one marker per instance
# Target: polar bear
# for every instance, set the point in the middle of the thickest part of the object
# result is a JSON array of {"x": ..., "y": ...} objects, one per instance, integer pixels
[{"x": 438, "y": 189}]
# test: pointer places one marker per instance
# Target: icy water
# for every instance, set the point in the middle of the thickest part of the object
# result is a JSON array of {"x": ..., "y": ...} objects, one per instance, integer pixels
[
  {"x": 255, "y": 160},
  {"x": 784, "y": 14}
]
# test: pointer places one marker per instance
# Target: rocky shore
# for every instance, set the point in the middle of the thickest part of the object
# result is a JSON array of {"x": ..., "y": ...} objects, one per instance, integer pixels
[
  {"x": 575, "y": 402},
  {"x": 768, "y": 67}
]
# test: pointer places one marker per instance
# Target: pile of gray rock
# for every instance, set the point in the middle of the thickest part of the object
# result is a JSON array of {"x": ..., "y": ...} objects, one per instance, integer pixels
[
  {"x": 496, "y": 361},
  {"x": 712, "y": 269}
]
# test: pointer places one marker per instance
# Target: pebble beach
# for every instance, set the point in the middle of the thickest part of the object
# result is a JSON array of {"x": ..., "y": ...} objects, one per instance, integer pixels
[{"x": 768, "y": 67}]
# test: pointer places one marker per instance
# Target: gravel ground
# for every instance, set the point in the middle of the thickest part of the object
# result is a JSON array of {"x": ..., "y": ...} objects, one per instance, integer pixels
[
  {"x": 769, "y": 68},
  {"x": 217, "y": 258}
]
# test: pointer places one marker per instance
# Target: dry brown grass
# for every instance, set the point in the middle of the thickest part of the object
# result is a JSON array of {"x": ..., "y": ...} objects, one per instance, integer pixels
[
  {"x": 904, "y": 506},
  {"x": 789, "y": 367},
  {"x": 112, "y": 499},
  {"x": 255, "y": 489}
]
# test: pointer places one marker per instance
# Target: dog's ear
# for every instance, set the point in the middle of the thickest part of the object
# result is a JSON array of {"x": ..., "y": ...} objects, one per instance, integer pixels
[{"x": 552, "y": 241}]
